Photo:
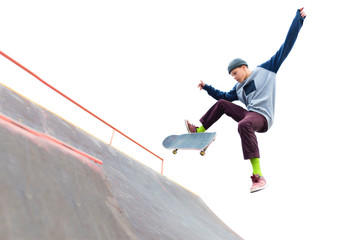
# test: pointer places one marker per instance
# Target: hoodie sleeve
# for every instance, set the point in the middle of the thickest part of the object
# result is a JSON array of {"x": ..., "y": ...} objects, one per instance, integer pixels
[
  {"x": 276, "y": 60},
  {"x": 217, "y": 94}
]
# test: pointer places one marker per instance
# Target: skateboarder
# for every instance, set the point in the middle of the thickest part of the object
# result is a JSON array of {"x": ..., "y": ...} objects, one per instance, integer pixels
[{"x": 255, "y": 89}]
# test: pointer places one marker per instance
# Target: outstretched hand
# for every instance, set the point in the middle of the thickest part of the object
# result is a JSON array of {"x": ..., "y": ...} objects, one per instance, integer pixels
[
  {"x": 302, "y": 12},
  {"x": 201, "y": 85}
]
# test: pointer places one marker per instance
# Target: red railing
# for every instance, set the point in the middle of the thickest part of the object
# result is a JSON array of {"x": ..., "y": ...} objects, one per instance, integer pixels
[{"x": 83, "y": 108}]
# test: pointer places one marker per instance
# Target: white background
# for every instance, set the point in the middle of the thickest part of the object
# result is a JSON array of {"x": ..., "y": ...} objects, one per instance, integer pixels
[{"x": 137, "y": 65}]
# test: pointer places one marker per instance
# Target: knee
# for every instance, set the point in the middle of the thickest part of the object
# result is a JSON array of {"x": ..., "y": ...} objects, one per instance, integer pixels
[
  {"x": 222, "y": 102},
  {"x": 244, "y": 126}
]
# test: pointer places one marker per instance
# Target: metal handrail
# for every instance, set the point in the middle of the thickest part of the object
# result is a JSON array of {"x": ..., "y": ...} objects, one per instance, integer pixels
[{"x": 83, "y": 108}]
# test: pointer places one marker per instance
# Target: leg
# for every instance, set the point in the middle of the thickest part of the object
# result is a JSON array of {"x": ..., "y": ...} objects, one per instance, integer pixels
[
  {"x": 246, "y": 128},
  {"x": 214, "y": 113},
  {"x": 251, "y": 123},
  {"x": 222, "y": 107}
]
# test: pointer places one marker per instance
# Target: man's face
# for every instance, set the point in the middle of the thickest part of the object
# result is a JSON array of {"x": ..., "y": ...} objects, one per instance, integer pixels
[{"x": 239, "y": 74}]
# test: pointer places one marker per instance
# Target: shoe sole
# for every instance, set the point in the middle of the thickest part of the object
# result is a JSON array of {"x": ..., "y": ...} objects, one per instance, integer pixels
[
  {"x": 186, "y": 123},
  {"x": 258, "y": 189}
]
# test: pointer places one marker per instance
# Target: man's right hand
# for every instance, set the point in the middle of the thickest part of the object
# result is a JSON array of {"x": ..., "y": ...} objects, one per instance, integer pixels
[{"x": 201, "y": 85}]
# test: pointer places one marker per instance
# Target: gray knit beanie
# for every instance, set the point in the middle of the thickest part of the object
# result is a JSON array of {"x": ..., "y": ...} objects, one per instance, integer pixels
[{"x": 235, "y": 64}]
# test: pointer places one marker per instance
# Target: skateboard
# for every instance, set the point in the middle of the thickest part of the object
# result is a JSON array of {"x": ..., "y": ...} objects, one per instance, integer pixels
[{"x": 190, "y": 141}]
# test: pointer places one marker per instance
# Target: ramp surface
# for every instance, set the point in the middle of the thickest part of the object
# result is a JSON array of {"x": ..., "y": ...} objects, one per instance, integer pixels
[{"x": 49, "y": 191}]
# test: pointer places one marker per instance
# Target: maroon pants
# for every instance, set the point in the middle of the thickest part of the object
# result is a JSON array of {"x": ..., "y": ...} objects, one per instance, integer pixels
[{"x": 248, "y": 123}]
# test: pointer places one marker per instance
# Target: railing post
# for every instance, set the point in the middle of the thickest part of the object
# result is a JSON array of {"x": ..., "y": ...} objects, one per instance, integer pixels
[
  {"x": 161, "y": 171},
  {"x": 111, "y": 140}
]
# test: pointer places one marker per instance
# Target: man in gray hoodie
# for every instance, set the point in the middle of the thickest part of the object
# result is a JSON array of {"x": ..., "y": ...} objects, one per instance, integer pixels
[{"x": 256, "y": 90}]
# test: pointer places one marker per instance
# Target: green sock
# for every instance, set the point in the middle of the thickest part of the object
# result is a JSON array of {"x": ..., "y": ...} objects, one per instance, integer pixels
[
  {"x": 256, "y": 166},
  {"x": 201, "y": 129}
]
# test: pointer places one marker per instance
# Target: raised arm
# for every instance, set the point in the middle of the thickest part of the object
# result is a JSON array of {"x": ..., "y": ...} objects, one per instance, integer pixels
[{"x": 275, "y": 62}]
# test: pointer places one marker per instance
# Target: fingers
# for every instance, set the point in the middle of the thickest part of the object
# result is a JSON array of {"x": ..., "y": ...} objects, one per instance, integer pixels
[
  {"x": 201, "y": 85},
  {"x": 303, "y": 14}
]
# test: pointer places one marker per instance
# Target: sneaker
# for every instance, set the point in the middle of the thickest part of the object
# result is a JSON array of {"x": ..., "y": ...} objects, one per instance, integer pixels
[
  {"x": 258, "y": 183},
  {"x": 190, "y": 127}
]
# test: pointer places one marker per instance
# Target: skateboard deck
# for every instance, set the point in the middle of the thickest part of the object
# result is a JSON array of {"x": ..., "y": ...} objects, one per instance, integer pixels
[{"x": 190, "y": 141}]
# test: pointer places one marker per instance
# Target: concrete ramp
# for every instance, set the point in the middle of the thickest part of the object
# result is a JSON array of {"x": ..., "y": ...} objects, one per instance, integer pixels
[{"x": 50, "y": 190}]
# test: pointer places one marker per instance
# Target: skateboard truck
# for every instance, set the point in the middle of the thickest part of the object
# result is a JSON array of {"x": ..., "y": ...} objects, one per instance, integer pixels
[{"x": 202, "y": 153}]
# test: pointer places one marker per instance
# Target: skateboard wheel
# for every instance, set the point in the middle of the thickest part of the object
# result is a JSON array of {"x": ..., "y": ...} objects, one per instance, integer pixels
[
  {"x": 175, "y": 151},
  {"x": 203, "y": 153}
]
